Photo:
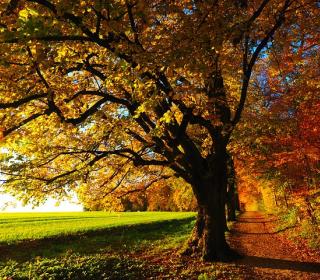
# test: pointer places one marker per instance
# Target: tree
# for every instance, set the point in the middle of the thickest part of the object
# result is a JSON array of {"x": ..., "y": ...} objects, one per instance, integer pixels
[
  {"x": 279, "y": 135},
  {"x": 232, "y": 199},
  {"x": 99, "y": 89},
  {"x": 148, "y": 194}
]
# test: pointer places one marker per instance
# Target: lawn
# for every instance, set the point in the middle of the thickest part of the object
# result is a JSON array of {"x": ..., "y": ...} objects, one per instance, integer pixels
[
  {"x": 103, "y": 246},
  {"x": 92, "y": 245},
  {"x": 25, "y": 226}
]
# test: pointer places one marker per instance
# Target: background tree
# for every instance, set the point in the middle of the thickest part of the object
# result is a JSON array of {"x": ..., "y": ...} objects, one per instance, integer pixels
[
  {"x": 139, "y": 193},
  {"x": 280, "y": 136},
  {"x": 92, "y": 89}
]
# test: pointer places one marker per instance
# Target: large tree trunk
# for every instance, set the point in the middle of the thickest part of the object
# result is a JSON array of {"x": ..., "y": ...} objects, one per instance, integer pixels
[
  {"x": 214, "y": 245},
  {"x": 210, "y": 180},
  {"x": 208, "y": 236}
]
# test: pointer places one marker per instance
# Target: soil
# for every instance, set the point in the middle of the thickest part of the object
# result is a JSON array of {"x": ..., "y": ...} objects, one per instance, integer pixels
[{"x": 267, "y": 254}]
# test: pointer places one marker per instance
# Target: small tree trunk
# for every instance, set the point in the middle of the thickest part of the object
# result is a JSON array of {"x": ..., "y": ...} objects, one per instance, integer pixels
[
  {"x": 237, "y": 201},
  {"x": 231, "y": 202},
  {"x": 231, "y": 209},
  {"x": 231, "y": 193},
  {"x": 310, "y": 212},
  {"x": 226, "y": 218}
]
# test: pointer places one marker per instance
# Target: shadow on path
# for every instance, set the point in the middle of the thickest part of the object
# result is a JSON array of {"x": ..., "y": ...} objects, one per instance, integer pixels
[
  {"x": 265, "y": 255},
  {"x": 280, "y": 264}
]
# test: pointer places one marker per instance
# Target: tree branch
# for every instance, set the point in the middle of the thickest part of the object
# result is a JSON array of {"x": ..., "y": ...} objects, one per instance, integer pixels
[
  {"x": 22, "y": 123},
  {"x": 22, "y": 101},
  {"x": 248, "y": 71},
  {"x": 148, "y": 185}
]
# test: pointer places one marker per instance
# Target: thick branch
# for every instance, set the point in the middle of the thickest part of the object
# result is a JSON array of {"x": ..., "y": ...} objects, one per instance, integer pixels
[
  {"x": 22, "y": 101},
  {"x": 22, "y": 123}
]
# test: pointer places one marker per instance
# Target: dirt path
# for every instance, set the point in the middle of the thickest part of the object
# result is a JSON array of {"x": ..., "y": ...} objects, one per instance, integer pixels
[{"x": 266, "y": 255}]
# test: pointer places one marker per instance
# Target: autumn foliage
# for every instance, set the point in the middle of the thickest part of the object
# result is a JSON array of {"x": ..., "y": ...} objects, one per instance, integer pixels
[{"x": 112, "y": 98}]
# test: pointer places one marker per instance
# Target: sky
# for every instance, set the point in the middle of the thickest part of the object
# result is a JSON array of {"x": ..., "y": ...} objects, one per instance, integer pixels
[
  {"x": 50, "y": 206},
  {"x": 9, "y": 204}
]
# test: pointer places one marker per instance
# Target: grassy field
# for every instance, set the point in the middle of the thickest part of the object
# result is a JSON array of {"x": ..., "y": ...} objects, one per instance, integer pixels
[
  {"x": 25, "y": 226},
  {"x": 91, "y": 245},
  {"x": 102, "y": 246}
]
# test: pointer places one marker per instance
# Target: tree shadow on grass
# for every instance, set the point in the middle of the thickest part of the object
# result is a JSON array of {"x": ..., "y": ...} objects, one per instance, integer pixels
[
  {"x": 254, "y": 261},
  {"x": 123, "y": 238}
]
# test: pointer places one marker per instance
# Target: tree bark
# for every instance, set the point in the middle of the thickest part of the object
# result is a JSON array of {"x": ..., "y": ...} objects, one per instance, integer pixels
[
  {"x": 214, "y": 245},
  {"x": 208, "y": 236}
]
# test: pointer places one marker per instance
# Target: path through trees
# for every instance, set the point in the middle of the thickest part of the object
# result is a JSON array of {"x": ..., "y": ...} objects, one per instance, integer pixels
[{"x": 267, "y": 256}]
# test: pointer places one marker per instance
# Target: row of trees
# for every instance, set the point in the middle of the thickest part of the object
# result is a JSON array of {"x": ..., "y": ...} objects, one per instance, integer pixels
[
  {"x": 280, "y": 142},
  {"x": 108, "y": 94},
  {"x": 166, "y": 195}
]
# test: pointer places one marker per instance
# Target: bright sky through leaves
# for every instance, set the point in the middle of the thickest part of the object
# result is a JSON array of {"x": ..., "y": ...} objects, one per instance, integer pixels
[{"x": 9, "y": 204}]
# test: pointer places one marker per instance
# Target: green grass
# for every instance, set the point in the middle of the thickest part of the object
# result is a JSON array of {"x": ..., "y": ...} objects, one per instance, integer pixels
[
  {"x": 74, "y": 266},
  {"x": 156, "y": 236},
  {"x": 29, "y": 226},
  {"x": 118, "y": 248},
  {"x": 110, "y": 246}
]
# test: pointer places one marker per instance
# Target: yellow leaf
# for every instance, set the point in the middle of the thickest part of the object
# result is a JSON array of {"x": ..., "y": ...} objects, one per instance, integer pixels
[{"x": 180, "y": 148}]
